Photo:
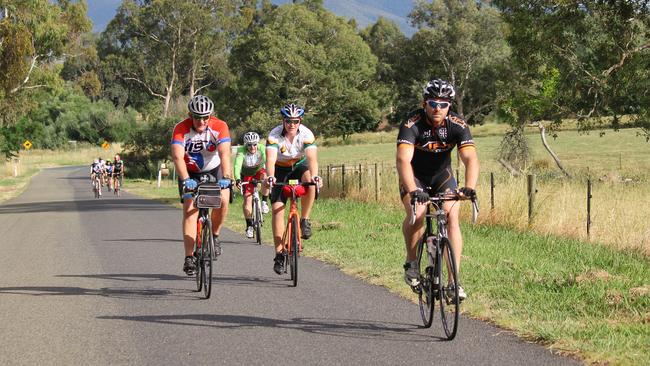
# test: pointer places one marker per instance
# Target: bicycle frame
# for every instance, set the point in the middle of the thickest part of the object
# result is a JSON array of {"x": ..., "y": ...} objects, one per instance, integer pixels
[{"x": 258, "y": 218}]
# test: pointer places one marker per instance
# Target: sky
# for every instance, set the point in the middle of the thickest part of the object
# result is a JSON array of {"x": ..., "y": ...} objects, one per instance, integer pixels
[{"x": 364, "y": 11}]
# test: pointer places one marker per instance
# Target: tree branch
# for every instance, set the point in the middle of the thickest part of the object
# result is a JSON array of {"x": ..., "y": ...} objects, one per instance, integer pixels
[
  {"x": 29, "y": 73},
  {"x": 146, "y": 86},
  {"x": 542, "y": 132},
  {"x": 625, "y": 55}
]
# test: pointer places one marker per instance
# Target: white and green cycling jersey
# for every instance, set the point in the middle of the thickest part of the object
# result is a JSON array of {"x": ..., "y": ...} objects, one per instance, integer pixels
[{"x": 247, "y": 164}]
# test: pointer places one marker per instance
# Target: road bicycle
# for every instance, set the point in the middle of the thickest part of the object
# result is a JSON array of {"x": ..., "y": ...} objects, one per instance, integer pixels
[
  {"x": 97, "y": 185},
  {"x": 292, "y": 245},
  {"x": 258, "y": 218},
  {"x": 117, "y": 183},
  {"x": 438, "y": 275},
  {"x": 206, "y": 196}
]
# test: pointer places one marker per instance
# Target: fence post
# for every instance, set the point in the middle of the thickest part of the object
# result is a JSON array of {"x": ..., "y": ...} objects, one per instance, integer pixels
[
  {"x": 492, "y": 191},
  {"x": 360, "y": 178},
  {"x": 329, "y": 171},
  {"x": 343, "y": 179},
  {"x": 588, "y": 207},
  {"x": 532, "y": 189},
  {"x": 376, "y": 183}
]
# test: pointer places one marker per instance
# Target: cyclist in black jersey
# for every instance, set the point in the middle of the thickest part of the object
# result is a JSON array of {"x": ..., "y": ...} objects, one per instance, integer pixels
[{"x": 424, "y": 145}]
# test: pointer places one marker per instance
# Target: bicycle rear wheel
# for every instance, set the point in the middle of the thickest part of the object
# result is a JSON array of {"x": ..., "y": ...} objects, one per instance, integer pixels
[
  {"x": 257, "y": 221},
  {"x": 448, "y": 290},
  {"x": 208, "y": 263},
  {"x": 293, "y": 251},
  {"x": 426, "y": 289}
]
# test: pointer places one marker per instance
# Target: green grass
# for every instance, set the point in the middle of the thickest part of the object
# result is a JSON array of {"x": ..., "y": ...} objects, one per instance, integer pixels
[{"x": 579, "y": 299}]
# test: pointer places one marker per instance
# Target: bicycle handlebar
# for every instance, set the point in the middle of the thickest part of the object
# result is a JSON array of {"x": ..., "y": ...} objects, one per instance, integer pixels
[
  {"x": 304, "y": 184},
  {"x": 448, "y": 196}
]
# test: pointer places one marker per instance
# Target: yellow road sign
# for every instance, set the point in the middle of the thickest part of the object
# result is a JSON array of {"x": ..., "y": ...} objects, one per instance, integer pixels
[
  {"x": 106, "y": 145},
  {"x": 27, "y": 144}
]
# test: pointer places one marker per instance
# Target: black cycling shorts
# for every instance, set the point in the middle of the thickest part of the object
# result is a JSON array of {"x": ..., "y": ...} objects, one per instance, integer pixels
[
  {"x": 216, "y": 173},
  {"x": 441, "y": 182},
  {"x": 282, "y": 175}
]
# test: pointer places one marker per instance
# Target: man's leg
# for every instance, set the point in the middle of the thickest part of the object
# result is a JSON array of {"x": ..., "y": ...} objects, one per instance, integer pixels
[
  {"x": 453, "y": 230},
  {"x": 219, "y": 214},
  {"x": 307, "y": 201},
  {"x": 412, "y": 232},
  {"x": 190, "y": 215}
]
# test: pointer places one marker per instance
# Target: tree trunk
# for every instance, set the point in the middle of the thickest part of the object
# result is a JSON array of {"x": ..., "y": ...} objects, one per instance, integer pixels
[{"x": 542, "y": 132}]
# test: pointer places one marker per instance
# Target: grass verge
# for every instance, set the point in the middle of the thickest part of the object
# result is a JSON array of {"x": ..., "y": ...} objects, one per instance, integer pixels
[{"x": 580, "y": 299}]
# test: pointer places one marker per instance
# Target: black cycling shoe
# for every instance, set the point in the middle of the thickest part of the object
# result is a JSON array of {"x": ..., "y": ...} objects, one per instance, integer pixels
[
  {"x": 189, "y": 267},
  {"x": 278, "y": 266},
  {"x": 305, "y": 228}
]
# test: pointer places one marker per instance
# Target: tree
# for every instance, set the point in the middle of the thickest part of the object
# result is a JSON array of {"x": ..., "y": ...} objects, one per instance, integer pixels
[
  {"x": 461, "y": 41},
  {"x": 165, "y": 48},
  {"x": 309, "y": 56},
  {"x": 600, "y": 49},
  {"x": 387, "y": 42}
]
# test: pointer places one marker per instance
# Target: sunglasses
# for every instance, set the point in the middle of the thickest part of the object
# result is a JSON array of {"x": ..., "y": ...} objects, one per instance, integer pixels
[
  {"x": 251, "y": 145},
  {"x": 292, "y": 121},
  {"x": 200, "y": 118},
  {"x": 442, "y": 105}
]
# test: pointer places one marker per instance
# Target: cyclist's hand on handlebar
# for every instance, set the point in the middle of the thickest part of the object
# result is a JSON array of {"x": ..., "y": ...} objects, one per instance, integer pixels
[
  {"x": 270, "y": 181},
  {"x": 225, "y": 183},
  {"x": 189, "y": 184},
  {"x": 419, "y": 196},
  {"x": 318, "y": 180},
  {"x": 238, "y": 183},
  {"x": 467, "y": 192}
]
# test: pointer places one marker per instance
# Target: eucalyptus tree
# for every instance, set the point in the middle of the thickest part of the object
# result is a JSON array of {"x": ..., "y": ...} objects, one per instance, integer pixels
[
  {"x": 164, "y": 48},
  {"x": 35, "y": 35},
  {"x": 598, "y": 50},
  {"x": 462, "y": 41},
  {"x": 303, "y": 53}
]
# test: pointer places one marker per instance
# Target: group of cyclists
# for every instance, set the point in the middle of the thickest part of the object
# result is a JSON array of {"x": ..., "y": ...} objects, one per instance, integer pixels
[
  {"x": 110, "y": 173},
  {"x": 201, "y": 144}
]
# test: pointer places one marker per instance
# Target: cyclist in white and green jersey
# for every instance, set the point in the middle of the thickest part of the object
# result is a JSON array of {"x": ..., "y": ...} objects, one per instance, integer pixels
[{"x": 249, "y": 165}]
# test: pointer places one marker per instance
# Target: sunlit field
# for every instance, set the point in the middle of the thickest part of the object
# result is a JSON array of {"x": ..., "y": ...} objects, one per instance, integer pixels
[{"x": 617, "y": 163}]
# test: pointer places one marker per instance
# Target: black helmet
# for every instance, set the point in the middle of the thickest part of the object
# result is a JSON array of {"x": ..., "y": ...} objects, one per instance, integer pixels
[{"x": 438, "y": 88}]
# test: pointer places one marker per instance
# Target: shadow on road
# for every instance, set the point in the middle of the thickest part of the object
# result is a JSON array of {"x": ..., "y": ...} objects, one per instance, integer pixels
[
  {"x": 333, "y": 327},
  {"x": 86, "y": 206},
  {"x": 130, "y": 277},
  {"x": 112, "y": 292},
  {"x": 148, "y": 240}
]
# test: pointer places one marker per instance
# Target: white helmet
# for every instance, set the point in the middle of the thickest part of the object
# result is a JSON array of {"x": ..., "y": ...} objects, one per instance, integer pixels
[
  {"x": 96, "y": 161},
  {"x": 200, "y": 106},
  {"x": 251, "y": 138}
]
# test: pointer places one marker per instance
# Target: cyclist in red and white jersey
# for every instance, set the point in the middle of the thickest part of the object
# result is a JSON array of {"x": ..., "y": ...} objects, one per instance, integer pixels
[{"x": 200, "y": 144}]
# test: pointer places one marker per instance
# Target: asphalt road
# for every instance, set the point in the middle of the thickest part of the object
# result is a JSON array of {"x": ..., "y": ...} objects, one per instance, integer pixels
[{"x": 99, "y": 282}]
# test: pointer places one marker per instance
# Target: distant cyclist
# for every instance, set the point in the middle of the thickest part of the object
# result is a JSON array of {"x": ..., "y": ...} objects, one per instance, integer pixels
[
  {"x": 118, "y": 170},
  {"x": 424, "y": 145},
  {"x": 290, "y": 154},
  {"x": 249, "y": 165},
  {"x": 200, "y": 144},
  {"x": 109, "y": 175},
  {"x": 95, "y": 171}
]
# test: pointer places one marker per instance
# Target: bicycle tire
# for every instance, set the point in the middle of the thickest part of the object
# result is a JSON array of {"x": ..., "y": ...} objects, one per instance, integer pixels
[
  {"x": 426, "y": 298},
  {"x": 198, "y": 259},
  {"x": 208, "y": 263},
  {"x": 293, "y": 251},
  {"x": 258, "y": 221},
  {"x": 449, "y": 302}
]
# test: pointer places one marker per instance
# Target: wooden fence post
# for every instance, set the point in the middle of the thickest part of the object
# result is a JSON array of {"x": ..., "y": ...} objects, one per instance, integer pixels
[
  {"x": 329, "y": 171},
  {"x": 343, "y": 180},
  {"x": 492, "y": 191},
  {"x": 532, "y": 189},
  {"x": 376, "y": 183},
  {"x": 360, "y": 183},
  {"x": 588, "y": 207}
]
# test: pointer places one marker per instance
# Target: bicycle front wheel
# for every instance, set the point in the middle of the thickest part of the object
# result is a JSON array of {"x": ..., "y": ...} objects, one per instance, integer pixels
[
  {"x": 258, "y": 222},
  {"x": 293, "y": 251},
  {"x": 426, "y": 289},
  {"x": 448, "y": 290},
  {"x": 208, "y": 263}
]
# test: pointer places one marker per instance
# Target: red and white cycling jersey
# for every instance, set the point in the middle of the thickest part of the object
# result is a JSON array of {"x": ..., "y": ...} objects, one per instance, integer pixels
[{"x": 201, "y": 148}]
